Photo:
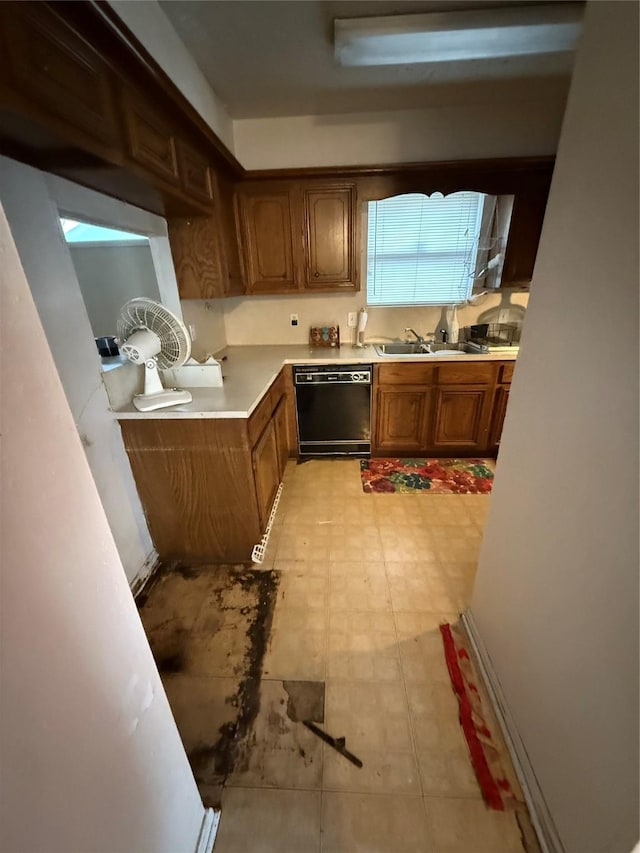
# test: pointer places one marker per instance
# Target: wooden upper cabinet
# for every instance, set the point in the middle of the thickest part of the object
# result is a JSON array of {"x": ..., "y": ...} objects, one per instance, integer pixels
[
  {"x": 54, "y": 75},
  {"x": 267, "y": 225},
  {"x": 197, "y": 257},
  {"x": 230, "y": 236},
  {"x": 151, "y": 139},
  {"x": 205, "y": 249},
  {"x": 524, "y": 234},
  {"x": 330, "y": 238},
  {"x": 196, "y": 175}
]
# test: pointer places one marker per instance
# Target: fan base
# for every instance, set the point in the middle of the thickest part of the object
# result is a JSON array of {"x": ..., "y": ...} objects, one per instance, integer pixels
[{"x": 161, "y": 399}]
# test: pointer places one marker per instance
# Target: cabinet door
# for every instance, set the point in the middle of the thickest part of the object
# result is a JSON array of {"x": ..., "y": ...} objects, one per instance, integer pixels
[
  {"x": 401, "y": 417},
  {"x": 195, "y": 173},
  {"x": 266, "y": 473},
  {"x": 267, "y": 230},
  {"x": 461, "y": 421},
  {"x": 280, "y": 418},
  {"x": 499, "y": 411},
  {"x": 229, "y": 233},
  {"x": 197, "y": 257},
  {"x": 152, "y": 141},
  {"x": 57, "y": 76},
  {"x": 330, "y": 238}
]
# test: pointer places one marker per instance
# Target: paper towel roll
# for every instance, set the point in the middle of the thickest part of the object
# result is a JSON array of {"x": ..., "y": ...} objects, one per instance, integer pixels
[{"x": 362, "y": 325}]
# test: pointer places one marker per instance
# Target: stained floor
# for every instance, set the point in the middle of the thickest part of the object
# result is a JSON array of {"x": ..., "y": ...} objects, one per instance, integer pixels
[{"x": 338, "y": 626}]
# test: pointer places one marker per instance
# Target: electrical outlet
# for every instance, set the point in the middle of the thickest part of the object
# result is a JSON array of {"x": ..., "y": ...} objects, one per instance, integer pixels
[
  {"x": 503, "y": 315},
  {"x": 294, "y": 319},
  {"x": 352, "y": 319},
  {"x": 192, "y": 332}
]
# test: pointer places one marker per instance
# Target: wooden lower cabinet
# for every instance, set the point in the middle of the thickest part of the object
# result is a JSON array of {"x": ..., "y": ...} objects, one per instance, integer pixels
[
  {"x": 461, "y": 419},
  {"x": 499, "y": 411},
  {"x": 207, "y": 485},
  {"x": 401, "y": 419},
  {"x": 266, "y": 471},
  {"x": 455, "y": 409},
  {"x": 281, "y": 426}
]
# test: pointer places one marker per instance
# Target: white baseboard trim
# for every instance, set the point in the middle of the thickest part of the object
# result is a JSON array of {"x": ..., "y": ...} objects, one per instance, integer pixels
[
  {"x": 144, "y": 573},
  {"x": 208, "y": 831},
  {"x": 540, "y": 815}
]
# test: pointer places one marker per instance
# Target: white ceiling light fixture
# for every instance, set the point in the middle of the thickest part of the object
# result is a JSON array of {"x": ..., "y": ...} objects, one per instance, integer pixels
[{"x": 457, "y": 36}]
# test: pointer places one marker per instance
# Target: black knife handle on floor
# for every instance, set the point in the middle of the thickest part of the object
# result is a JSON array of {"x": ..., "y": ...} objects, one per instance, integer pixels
[{"x": 338, "y": 743}]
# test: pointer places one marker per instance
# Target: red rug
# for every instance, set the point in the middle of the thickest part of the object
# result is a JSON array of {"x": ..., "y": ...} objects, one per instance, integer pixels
[
  {"x": 485, "y": 749},
  {"x": 428, "y": 476}
]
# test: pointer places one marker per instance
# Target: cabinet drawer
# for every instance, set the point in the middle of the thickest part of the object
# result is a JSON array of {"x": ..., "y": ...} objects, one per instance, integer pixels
[
  {"x": 195, "y": 174},
  {"x": 467, "y": 374},
  {"x": 405, "y": 374},
  {"x": 152, "y": 142},
  {"x": 506, "y": 372}
]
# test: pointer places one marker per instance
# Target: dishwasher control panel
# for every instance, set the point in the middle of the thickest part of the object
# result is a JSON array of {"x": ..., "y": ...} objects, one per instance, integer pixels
[{"x": 325, "y": 374}]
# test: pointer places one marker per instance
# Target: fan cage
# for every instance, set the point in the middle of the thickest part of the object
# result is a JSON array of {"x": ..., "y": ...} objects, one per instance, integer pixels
[{"x": 142, "y": 313}]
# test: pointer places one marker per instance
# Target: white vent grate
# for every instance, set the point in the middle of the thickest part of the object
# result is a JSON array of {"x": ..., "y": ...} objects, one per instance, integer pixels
[{"x": 257, "y": 555}]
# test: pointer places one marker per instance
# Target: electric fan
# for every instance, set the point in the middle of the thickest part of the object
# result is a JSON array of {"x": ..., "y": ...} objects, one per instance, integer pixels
[{"x": 152, "y": 335}]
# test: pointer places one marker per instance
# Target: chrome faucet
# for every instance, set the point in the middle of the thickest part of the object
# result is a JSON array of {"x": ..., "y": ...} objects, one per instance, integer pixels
[{"x": 419, "y": 338}]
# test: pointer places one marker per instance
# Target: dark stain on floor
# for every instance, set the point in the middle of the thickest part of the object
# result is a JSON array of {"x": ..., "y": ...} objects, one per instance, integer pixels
[
  {"x": 211, "y": 622},
  {"x": 306, "y": 700}
]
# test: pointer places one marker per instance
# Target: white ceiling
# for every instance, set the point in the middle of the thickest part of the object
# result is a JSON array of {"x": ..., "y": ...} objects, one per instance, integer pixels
[{"x": 275, "y": 58}]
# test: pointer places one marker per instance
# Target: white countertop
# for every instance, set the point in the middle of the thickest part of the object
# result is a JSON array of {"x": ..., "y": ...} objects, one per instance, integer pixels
[{"x": 248, "y": 371}]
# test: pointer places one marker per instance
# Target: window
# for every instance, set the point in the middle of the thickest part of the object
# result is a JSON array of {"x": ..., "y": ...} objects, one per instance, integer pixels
[{"x": 423, "y": 250}]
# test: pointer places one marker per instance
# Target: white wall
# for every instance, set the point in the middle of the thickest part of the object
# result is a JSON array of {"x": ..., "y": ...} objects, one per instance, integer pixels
[
  {"x": 90, "y": 755},
  {"x": 108, "y": 276},
  {"x": 556, "y": 597},
  {"x": 152, "y": 28},
  {"x": 206, "y": 317},
  {"x": 33, "y": 217},
  {"x": 265, "y": 319},
  {"x": 402, "y": 136}
]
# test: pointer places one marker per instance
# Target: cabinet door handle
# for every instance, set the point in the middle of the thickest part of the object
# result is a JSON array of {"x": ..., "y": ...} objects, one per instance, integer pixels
[{"x": 316, "y": 274}]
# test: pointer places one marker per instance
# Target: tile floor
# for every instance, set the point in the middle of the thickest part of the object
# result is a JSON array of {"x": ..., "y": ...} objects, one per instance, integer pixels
[{"x": 363, "y": 582}]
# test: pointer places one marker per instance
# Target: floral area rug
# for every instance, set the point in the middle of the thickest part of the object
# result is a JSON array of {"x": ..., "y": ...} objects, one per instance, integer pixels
[{"x": 429, "y": 476}]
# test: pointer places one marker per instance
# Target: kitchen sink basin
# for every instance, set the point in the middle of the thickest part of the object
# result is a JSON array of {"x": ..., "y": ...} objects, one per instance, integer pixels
[
  {"x": 401, "y": 349},
  {"x": 427, "y": 350}
]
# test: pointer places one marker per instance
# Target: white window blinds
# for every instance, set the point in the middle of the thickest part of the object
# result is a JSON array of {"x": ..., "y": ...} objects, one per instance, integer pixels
[{"x": 422, "y": 250}]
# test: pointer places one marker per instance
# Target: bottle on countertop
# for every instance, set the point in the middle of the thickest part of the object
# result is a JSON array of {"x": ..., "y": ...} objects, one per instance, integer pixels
[{"x": 453, "y": 328}]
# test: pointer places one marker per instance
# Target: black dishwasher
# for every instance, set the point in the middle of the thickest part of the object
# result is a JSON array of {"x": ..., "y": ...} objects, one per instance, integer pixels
[{"x": 333, "y": 404}]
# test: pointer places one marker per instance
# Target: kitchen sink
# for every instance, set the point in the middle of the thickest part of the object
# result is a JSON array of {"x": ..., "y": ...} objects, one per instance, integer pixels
[
  {"x": 401, "y": 349},
  {"x": 427, "y": 350}
]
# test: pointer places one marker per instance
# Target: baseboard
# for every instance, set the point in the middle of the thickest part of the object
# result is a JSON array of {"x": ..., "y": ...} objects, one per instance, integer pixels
[
  {"x": 208, "y": 831},
  {"x": 538, "y": 809},
  {"x": 144, "y": 574}
]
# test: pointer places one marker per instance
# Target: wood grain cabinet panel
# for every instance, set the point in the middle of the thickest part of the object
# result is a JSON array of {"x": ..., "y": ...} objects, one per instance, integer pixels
[
  {"x": 197, "y": 257},
  {"x": 330, "y": 238},
  {"x": 461, "y": 418},
  {"x": 497, "y": 421},
  {"x": 266, "y": 471},
  {"x": 152, "y": 141},
  {"x": 58, "y": 73},
  {"x": 195, "y": 482},
  {"x": 280, "y": 422},
  {"x": 401, "y": 419},
  {"x": 195, "y": 173},
  {"x": 267, "y": 230},
  {"x": 207, "y": 486}
]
